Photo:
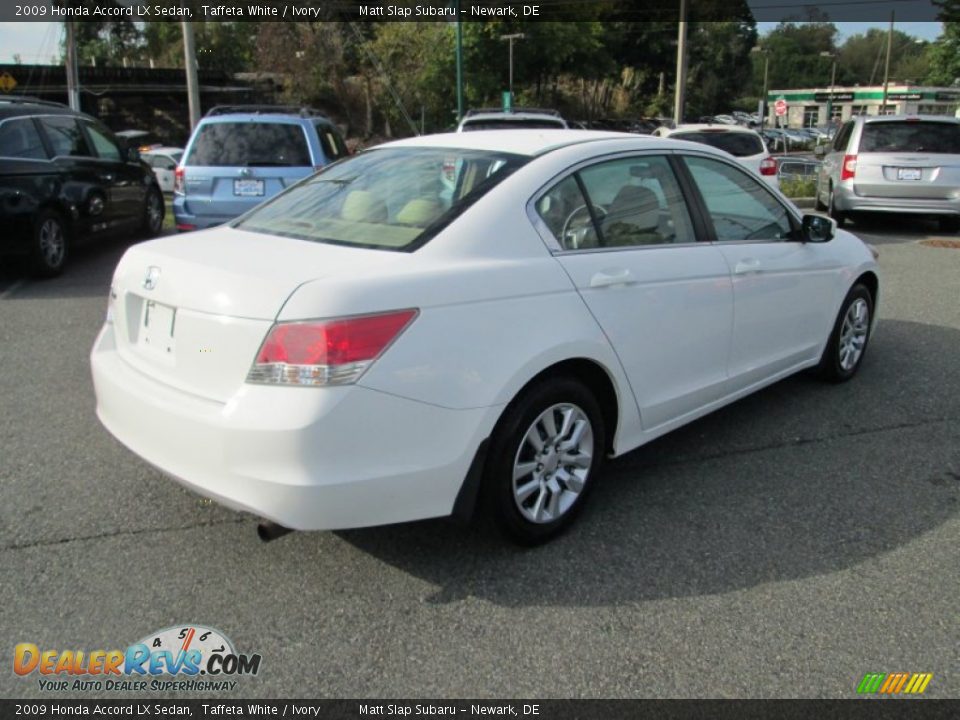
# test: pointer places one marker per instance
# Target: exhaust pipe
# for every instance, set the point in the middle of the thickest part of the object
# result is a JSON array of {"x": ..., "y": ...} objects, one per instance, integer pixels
[{"x": 268, "y": 531}]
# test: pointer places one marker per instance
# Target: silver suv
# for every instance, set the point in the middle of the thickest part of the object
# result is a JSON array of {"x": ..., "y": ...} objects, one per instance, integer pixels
[{"x": 893, "y": 163}]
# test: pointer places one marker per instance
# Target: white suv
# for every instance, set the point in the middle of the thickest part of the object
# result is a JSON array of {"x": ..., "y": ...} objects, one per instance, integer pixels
[{"x": 744, "y": 144}]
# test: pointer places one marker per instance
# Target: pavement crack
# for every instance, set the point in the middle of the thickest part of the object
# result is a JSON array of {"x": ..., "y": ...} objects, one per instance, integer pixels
[{"x": 118, "y": 533}]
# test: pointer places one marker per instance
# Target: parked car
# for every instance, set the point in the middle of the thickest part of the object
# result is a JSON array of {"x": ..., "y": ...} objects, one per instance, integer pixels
[
  {"x": 241, "y": 155},
  {"x": 518, "y": 118},
  {"x": 794, "y": 168},
  {"x": 65, "y": 178},
  {"x": 893, "y": 164},
  {"x": 744, "y": 144},
  {"x": 362, "y": 350},
  {"x": 164, "y": 161}
]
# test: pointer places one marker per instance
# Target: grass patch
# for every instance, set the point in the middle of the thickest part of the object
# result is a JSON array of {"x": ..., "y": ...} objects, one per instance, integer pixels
[{"x": 799, "y": 187}]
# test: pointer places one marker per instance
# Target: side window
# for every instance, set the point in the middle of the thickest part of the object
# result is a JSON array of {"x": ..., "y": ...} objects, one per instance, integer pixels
[
  {"x": 102, "y": 142},
  {"x": 19, "y": 139},
  {"x": 843, "y": 135},
  {"x": 565, "y": 212},
  {"x": 332, "y": 146},
  {"x": 65, "y": 136},
  {"x": 739, "y": 206},
  {"x": 637, "y": 201}
]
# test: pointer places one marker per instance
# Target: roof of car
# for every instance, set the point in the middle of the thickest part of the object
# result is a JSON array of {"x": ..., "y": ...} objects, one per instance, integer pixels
[
  {"x": 17, "y": 107},
  {"x": 538, "y": 142},
  {"x": 712, "y": 127}
]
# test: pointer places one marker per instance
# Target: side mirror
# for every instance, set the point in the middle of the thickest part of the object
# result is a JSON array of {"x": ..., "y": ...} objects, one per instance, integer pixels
[
  {"x": 820, "y": 150},
  {"x": 818, "y": 228}
]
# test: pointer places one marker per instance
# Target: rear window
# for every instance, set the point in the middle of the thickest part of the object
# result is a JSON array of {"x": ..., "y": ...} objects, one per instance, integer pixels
[
  {"x": 513, "y": 124},
  {"x": 388, "y": 199},
  {"x": 738, "y": 144},
  {"x": 249, "y": 144},
  {"x": 911, "y": 137}
]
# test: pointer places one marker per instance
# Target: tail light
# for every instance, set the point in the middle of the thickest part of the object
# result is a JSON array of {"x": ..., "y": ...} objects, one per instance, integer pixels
[
  {"x": 849, "y": 168},
  {"x": 768, "y": 166},
  {"x": 326, "y": 352},
  {"x": 178, "y": 181}
]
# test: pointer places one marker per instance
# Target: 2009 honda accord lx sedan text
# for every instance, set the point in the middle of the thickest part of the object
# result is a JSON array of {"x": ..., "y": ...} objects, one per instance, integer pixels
[{"x": 470, "y": 322}]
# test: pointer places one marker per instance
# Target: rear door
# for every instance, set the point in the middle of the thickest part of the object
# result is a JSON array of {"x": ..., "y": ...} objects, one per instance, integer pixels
[
  {"x": 233, "y": 165},
  {"x": 664, "y": 300},
  {"x": 126, "y": 178},
  {"x": 912, "y": 158},
  {"x": 91, "y": 184}
]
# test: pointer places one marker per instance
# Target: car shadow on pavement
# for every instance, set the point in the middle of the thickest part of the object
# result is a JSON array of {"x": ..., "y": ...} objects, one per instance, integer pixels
[
  {"x": 894, "y": 228},
  {"x": 800, "y": 479}
]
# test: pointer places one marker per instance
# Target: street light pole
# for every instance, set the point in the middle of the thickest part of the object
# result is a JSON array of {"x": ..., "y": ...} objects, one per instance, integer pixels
[
  {"x": 510, "y": 39},
  {"x": 73, "y": 74},
  {"x": 190, "y": 67}
]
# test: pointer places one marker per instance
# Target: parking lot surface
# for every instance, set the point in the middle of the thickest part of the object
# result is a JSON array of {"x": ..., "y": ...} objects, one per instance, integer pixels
[{"x": 781, "y": 547}]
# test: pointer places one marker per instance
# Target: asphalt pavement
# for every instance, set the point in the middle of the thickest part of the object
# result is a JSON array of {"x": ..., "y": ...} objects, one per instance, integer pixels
[{"x": 782, "y": 547}]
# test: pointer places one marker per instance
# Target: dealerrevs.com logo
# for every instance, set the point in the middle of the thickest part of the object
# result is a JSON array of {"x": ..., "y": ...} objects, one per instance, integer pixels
[{"x": 181, "y": 658}]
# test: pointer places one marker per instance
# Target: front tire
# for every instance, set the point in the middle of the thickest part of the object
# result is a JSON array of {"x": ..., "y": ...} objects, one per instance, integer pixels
[
  {"x": 851, "y": 332},
  {"x": 50, "y": 244},
  {"x": 544, "y": 457}
]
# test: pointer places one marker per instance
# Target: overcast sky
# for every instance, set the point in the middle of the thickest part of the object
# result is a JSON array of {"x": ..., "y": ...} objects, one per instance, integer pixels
[{"x": 39, "y": 42}]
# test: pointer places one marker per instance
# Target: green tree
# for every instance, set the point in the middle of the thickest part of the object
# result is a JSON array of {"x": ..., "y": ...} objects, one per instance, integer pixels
[
  {"x": 944, "y": 55},
  {"x": 861, "y": 58}
]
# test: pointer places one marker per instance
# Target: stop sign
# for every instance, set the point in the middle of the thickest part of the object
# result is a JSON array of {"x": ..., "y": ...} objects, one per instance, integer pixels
[{"x": 780, "y": 107}]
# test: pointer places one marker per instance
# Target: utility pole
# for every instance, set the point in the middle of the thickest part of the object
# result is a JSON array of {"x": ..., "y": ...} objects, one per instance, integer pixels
[
  {"x": 73, "y": 74},
  {"x": 190, "y": 64},
  {"x": 678, "y": 97},
  {"x": 833, "y": 82},
  {"x": 886, "y": 69},
  {"x": 459, "y": 65},
  {"x": 510, "y": 39},
  {"x": 766, "y": 82}
]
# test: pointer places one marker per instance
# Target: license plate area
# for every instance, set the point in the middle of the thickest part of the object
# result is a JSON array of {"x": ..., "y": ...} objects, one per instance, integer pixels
[
  {"x": 157, "y": 328},
  {"x": 909, "y": 173},
  {"x": 248, "y": 188}
]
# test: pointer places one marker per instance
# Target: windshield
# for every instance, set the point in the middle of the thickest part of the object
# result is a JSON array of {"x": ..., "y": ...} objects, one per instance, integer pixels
[
  {"x": 911, "y": 136},
  {"x": 249, "y": 144},
  {"x": 389, "y": 199},
  {"x": 738, "y": 144}
]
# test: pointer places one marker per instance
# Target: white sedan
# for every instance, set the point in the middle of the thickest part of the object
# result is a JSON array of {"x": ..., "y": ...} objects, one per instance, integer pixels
[
  {"x": 370, "y": 347},
  {"x": 164, "y": 161}
]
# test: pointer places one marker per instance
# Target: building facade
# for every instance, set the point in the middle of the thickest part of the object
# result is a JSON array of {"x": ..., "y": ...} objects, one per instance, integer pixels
[{"x": 809, "y": 107}]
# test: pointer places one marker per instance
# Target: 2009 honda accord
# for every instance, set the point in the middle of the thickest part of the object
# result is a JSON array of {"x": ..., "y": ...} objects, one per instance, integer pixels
[{"x": 468, "y": 322}]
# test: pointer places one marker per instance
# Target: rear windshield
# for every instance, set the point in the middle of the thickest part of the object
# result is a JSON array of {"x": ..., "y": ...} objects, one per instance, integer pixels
[
  {"x": 513, "y": 124},
  {"x": 249, "y": 144},
  {"x": 388, "y": 199},
  {"x": 738, "y": 144},
  {"x": 911, "y": 137}
]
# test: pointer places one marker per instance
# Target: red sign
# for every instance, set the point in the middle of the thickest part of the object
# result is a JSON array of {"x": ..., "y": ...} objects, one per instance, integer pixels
[{"x": 780, "y": 107}]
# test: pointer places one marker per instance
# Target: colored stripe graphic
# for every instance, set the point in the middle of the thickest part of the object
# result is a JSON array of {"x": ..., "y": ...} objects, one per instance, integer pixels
[
  {"x": 894, "y": 683},
  {"x": 871, "y": 682}
]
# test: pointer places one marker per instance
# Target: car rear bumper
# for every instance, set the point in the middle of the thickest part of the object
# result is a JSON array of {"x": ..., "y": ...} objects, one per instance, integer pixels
[
  {"x": 306, "y": 458},
  {"x": 187, "y": 219},
  {"x": 847, "y": 200}
]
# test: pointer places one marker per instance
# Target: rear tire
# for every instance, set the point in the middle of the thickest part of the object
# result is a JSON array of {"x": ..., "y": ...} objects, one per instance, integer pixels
[
  {"x": 153, "y": 212},
  {"x": 50, "y": 244},
  {"x": 545, "y": 454},
  {"x": 817, "y": 204},
  {"x": 837, "y": 215},
  {"x": 848, "y": 341},
  {"x": 949, "y": 224}
]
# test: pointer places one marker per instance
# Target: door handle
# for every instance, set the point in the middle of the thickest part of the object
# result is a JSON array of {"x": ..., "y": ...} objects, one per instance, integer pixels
[
  {"x": 608, "y": 278},
  {"x": 747, "y": 266},
  {"x": 107, "y": 177}
]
